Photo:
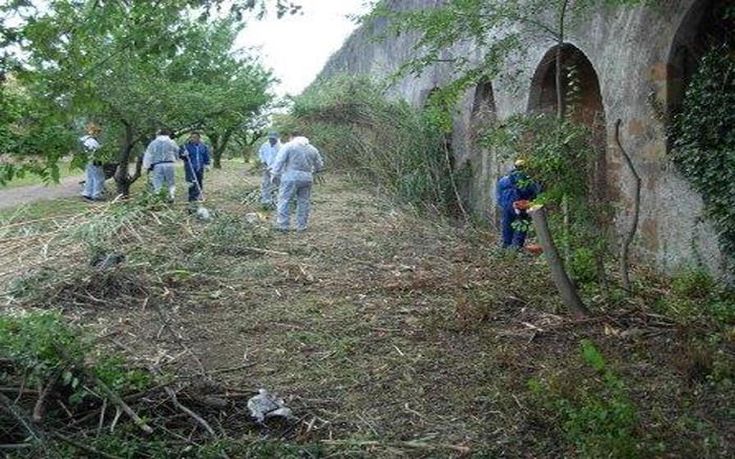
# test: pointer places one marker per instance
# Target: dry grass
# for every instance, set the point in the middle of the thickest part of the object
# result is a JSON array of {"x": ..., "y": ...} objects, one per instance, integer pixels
[{"x": 389, "y": 334}]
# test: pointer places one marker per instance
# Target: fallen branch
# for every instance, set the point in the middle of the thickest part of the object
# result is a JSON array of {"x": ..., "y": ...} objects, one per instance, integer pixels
[
  {"x": 13, "y": 410},
  {"x": 114, "y": 398},
  {"x": 199, "y": 420},
  {"x": 175, "y": 400},
  {"x": 40, "y": 408},
  {"x": 264, "y": 251}
]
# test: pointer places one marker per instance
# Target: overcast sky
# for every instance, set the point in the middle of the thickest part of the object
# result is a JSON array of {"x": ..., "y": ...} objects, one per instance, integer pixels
[{"x": 297, "y": 47}]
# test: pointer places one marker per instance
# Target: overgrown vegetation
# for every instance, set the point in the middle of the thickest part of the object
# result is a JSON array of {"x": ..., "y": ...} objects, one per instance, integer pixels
[
  {"x": 561, "y": 156},
  {"x": 69, "y": 398},
  {"x": 698, "y": 297},
  {"x": 395, "y": 336},
  {"x": 396, "y": 147},
  {"x": 596, "y": 416},
  {"x": 704, "y": 141}
]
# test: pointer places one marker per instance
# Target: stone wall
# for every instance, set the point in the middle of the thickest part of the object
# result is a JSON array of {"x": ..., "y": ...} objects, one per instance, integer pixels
[{"x": 632, "y": 52}]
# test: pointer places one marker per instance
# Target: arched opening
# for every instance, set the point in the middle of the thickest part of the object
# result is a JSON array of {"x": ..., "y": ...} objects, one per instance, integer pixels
[
  {"x": 485, "y": 165},
  {"x": 483, "y": 105},
  {"x": 582, "y": 100},
  {"x": 580, "y": 84},
  {"x": 427, "y": 99},
  {"x": 707, "y": 25}
]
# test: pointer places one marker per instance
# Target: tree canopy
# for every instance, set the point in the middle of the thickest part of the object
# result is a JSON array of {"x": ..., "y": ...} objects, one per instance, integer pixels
[{"x": 131, "y": 67}]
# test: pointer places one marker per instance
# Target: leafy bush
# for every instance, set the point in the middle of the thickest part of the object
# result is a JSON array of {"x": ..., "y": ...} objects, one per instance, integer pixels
[
  {"x": 42, "y": 344},
  {"x": 704, "y": 140},
  {"x": 599, "y": 420},
  {"x": 48, "y": 348},
  {"x": 693, "y": 284},
  {"x": 697, "y": 297},
  {"x": 583, "y": 265},
  {"x": 388, "y": 142}
]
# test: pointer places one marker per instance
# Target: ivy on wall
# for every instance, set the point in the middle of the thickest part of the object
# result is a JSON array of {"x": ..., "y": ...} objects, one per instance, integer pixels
[{"x": 704, "y": 140}]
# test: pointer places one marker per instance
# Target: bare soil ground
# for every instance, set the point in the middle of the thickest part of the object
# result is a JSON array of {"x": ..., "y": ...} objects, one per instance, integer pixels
[
  {"x": 393, "y": 335},
  {"x": 13, "y": 197}
]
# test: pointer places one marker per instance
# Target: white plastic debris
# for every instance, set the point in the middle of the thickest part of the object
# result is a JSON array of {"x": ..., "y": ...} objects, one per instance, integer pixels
[
  {"x": 204, "y": 214},
  {"x": 252, "y": 218},
  {"x": 265, "y": 405}
]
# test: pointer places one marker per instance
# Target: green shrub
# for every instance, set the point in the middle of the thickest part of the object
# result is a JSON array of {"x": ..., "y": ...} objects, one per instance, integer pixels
[
  {"x": 45, "y": 346},
  {"x": 583, "y": 265},
  {"x": 598, "y": 419},
  {"x": 42, "y": 344},
  {"x": 390, "y": 143},
  {"x": 693, "y": 284},
  {"x": 696, "y": 296}
]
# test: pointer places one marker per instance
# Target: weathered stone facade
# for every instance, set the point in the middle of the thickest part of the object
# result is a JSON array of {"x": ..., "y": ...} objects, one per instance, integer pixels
[{"x": 636, "y": 59}]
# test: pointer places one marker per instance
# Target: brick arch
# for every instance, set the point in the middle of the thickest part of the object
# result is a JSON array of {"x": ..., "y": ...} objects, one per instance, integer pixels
[
  {"x": 483, "y": 104},
  {"x": 485, "y": 163},
  {"x": 584, "y": 105},
  {"x": 701, "y": 28}
]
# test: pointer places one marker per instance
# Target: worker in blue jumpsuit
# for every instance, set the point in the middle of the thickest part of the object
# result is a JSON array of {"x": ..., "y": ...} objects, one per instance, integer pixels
[
  {"x": 513, "y": 187},
  {"x": 196, "y": 160}
]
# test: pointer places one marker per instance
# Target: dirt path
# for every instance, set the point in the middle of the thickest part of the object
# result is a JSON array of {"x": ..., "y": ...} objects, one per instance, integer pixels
[
  {"x": 389, "y": 334},
  {"x": 13, "y": 197}
]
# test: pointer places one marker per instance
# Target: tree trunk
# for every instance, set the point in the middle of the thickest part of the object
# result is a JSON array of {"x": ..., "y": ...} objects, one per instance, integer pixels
[
  {"x": 216, "y": 152},
  {"x": 219, "y": 145},
  {"x": 123, "y": 180},
  {"x": 558, "y": 274}
]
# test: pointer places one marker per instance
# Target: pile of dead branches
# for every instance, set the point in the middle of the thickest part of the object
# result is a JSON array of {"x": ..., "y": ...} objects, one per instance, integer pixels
[{"x": 57, "y": 398}]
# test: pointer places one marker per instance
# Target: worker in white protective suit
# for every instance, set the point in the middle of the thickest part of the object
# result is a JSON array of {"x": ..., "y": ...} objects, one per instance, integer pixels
[
  {"x": 296, "y": 163},
  {"x": 159, "y": 159},
  {"x": 94, "y": 184},
  {"x": 267, "y": 156}
]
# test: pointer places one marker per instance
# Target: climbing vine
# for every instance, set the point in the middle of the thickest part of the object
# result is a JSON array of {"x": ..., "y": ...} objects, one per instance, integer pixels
[{"x": 704, "y": 140}]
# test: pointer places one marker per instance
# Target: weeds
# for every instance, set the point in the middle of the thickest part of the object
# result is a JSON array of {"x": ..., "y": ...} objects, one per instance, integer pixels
[
  {"x": 391, "y": 144},
  {"x": 696, "y": 297},
  {"x": 388, "y": 334},
  {"x": 599, "y": 419}
]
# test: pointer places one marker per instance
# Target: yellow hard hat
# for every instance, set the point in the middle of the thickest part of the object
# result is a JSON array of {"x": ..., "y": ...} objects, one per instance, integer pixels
[
  {"x": 519, "y": 163},
  {"x": 93, "y": 128}
]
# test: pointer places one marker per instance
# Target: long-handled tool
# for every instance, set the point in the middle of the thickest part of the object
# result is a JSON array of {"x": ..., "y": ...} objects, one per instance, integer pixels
[
  {"x": 202, "y": 212},
  {"x": 196, "y": 180}
]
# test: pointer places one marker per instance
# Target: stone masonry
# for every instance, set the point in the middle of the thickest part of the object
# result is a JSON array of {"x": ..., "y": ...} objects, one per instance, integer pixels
[{"x": 634, "y": 61}]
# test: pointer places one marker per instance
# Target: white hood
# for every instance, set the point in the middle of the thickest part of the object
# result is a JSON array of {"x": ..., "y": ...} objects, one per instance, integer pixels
[{"x": 303, "y": 141}]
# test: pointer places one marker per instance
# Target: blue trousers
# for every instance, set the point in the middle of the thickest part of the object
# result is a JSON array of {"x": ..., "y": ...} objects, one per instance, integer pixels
[
  {"x": 512, "y": 237},
  {"x": 193, "y": 177}
]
